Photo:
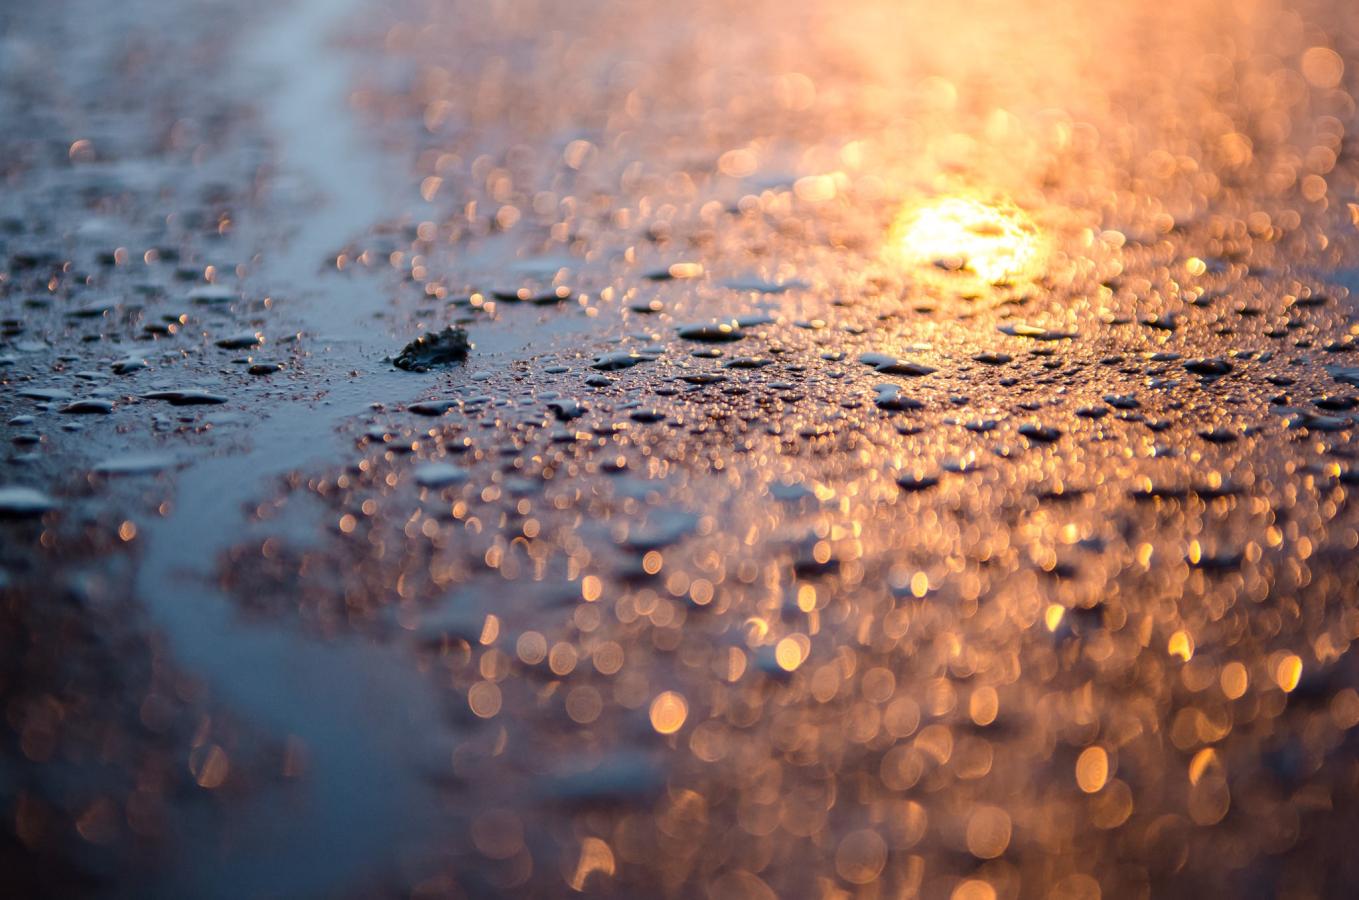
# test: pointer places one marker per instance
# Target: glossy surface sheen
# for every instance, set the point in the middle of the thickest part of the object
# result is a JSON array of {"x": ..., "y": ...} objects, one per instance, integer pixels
[{"x": 903, "y": 451}]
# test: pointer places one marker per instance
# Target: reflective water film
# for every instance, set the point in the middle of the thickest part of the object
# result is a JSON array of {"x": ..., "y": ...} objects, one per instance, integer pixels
[{"x": 732, "y": 451}]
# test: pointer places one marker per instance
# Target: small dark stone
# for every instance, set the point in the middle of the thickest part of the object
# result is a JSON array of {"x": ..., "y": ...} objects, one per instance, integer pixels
[
  {"x": 1209, "y": 368},
  {"x": 86, "y": 407},
  {"x": 441, "y": 348},
  {"x": 892, "y": 365},
  {"x": 712, "y": 332},
  {"x": 908, "y": 481},
  {"x": 242, "y": 341},
  {"x": 747, "y": 362},
  {"x": 1033, "y": 332},
  {"x": 1042, "y": 434},
  {"x": 18, "y": 502},
  {"x": 613, "y": 362},
  {"x": 432, "y": 407},
  {"x": 567, "y": 409},
  {"x": 187, "y": 397}
]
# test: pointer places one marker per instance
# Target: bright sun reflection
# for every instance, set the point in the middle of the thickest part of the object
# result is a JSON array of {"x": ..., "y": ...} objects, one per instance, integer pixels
[{"x": 997, "y": 242}]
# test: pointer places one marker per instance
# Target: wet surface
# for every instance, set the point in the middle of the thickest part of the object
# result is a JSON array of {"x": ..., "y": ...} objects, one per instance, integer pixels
[{"x": 840, "y": 451}]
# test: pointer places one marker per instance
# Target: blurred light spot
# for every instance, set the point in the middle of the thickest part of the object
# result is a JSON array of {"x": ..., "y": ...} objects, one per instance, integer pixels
[
  {"x": 1181, "y": 645},
  {"x": 81, "y": 151},
  {"x": 1345, "y": 708},
  {"x": 595, "y": 856},
  {"x": 1092, "y": 769},
  {"x": 920, "y": 584},
  {"x": 973, "y": 889},
  {"x": 740, "y": 885},
  {"x": 668, "y": 712},
  {"x": 983, "y": 705},
  {"x": 577, "y": 153},
  {"x": 608, "y": 658},
  {"x": 584, "y": 704},
  {"x": 682, "y": 270},
  {"x": 531, "y": 648},
  {"x": 498, "y": 834},
  {"x": 210, "y": 767},
  {"x": 988, "y": 832},
  {"x": 1288, "y": 672},
  {"x": 1077, "y": 886},
  {"x": 789, "y": 652},
  {"x": 1201, "y": 763},
  {"x": 1234, "y": 680},
  {"x": 484, "y": 699},
  {"x": 806, "y": 598},
  {"x": 737, "y": 163},
  {"x": 815, "y": 188},
  {"x": 1112, "y": 806},
  {"x": 652, "y": 562},
  {"x": 562, "y": 659},
  {"x": 861, "y": 856},
  {"x": 1322, "y": 67},
  {"x": 590, "y": 588}
]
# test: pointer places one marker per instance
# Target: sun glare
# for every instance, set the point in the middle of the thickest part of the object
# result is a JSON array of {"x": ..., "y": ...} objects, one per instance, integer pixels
[{"x": 996, "y": 242}]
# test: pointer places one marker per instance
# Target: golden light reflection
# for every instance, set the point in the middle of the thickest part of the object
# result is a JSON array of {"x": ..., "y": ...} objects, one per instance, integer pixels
[
  {"x": 1181, "y": 645},
  {"x": 1092, "y": 769},
  {"x": 1288, "y": 672},
  {"x": 668, "y": 712},
  {"x": 995, "y": 241},
  {"x": 595, "y": 856}
]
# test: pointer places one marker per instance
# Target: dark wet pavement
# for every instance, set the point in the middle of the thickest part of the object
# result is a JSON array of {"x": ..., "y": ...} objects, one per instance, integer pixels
[{"x": 900, "y": 452}]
